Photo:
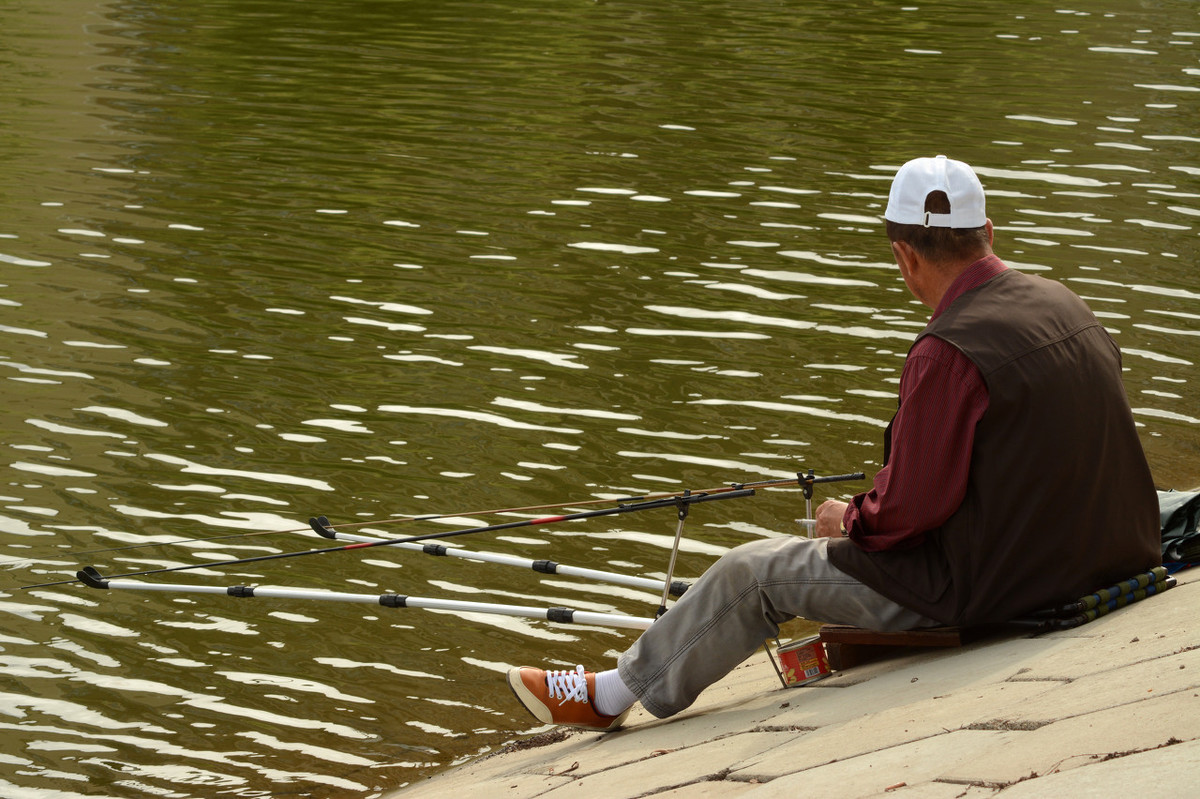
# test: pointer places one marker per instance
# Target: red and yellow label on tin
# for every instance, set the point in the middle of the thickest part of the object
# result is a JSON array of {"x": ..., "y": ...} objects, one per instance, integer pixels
[{"x": 803, "y": 661}]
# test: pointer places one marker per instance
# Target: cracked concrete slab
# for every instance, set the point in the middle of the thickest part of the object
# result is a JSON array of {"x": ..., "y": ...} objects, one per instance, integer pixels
[
  {"x": 1056, "y": 747},
  {"x": 672, "y": 769},
  {"x": 1169, "y": 769},
  {"x": 709, "y": 789},
  {"x": 1118, "y": 686},
  {"x": 893, "y": 727},
  {"x": 872, "y": 773}
]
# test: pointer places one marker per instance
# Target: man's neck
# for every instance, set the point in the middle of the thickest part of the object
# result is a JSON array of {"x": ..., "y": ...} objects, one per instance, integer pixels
[{"x": 967, "y": 277}]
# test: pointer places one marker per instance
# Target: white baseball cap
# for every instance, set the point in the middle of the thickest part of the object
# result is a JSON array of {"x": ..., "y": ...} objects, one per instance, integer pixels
[{"x": 920, "y": 176}]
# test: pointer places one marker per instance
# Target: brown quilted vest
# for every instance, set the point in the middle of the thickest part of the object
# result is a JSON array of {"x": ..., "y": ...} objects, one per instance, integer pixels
[{"x": 1059, "y": 500}]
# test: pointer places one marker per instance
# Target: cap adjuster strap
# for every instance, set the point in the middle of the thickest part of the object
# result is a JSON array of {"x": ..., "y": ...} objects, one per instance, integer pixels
[{"x": 938, "y": 220}]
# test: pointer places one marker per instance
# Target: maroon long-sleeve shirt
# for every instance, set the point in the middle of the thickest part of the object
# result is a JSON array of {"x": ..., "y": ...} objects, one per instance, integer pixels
[{"x": 942, "y": 397}]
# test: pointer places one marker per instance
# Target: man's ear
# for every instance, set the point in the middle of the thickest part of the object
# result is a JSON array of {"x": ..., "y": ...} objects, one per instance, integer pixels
[
  {"x": 905, "y": 256},
  {"x": 915, "y": 270}
]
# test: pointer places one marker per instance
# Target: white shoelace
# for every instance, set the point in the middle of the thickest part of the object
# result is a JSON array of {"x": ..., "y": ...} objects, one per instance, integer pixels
[{"x": 570, "y": 685}]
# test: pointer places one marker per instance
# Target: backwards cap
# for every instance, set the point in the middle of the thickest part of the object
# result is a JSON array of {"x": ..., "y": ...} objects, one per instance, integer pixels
[{"x": 919, "y": 177}]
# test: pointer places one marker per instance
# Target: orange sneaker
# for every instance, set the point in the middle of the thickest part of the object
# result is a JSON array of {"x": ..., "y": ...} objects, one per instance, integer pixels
[{"x": 561, "y": 697}]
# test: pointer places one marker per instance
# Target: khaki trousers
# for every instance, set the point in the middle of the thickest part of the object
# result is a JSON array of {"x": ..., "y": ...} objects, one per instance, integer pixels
[{"x": 739, "y": 603}]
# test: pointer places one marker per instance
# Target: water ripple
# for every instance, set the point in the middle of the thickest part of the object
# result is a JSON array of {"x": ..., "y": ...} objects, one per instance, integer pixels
[
  {"x": 807, "y": 410},
  {"x": 192, "y": 467},
  {"x": 477, "y": 416}
]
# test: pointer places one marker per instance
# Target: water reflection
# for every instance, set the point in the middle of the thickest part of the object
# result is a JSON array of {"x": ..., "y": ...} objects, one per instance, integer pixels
[{"x": 257, "y": 267}]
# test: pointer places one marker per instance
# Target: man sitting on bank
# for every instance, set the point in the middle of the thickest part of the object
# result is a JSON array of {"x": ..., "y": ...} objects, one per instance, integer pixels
[{"x": 1013, "y": 479}]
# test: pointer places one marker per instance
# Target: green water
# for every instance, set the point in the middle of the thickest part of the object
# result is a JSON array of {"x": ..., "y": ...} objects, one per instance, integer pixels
[{"x": 262, "y": 260}]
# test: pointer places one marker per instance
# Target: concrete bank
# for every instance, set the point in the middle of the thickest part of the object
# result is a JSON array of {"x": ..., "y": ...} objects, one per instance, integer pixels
[{"x": 1109, "y": 707}]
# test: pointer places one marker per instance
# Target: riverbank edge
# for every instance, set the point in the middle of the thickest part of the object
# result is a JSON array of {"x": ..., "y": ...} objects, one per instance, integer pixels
[{"x": 1109, "y": 705}]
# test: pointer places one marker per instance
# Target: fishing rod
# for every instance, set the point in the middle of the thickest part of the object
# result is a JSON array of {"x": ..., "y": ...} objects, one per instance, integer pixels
[
  {"x": 805, "y": 481},
  {"x": 92, "y": 578},
  {"x": 324, "y": 528},
  {"x": 661, "y": 503},
  {"x": 670, "y": 587}
]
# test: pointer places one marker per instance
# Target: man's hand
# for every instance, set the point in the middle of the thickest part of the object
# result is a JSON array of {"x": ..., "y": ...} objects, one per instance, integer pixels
[{"x": 829, "y": 519}]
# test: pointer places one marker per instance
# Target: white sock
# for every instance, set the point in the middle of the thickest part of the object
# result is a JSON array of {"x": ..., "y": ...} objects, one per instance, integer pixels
[{"x": 612, "y": 696}]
